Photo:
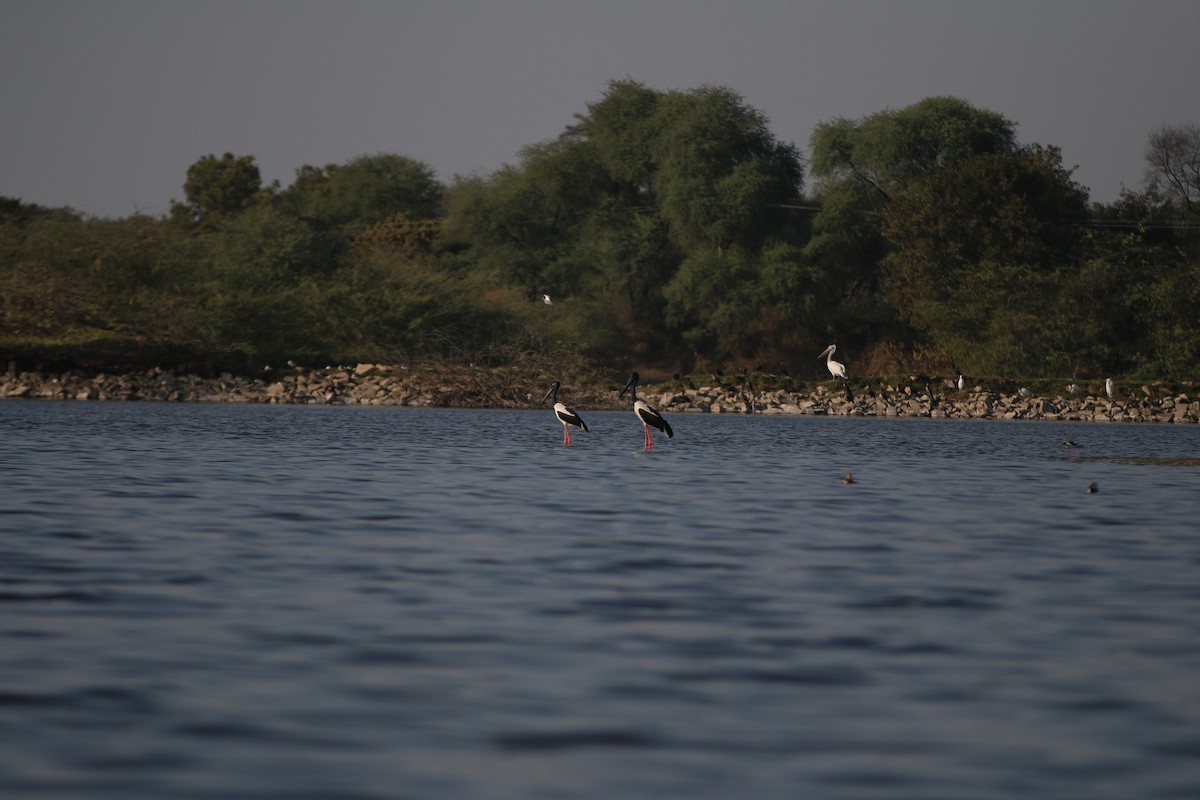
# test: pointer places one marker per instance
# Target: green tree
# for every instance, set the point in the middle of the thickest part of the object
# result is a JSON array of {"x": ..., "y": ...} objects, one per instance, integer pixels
[
  {"x": 608, "y": 213},
  {"x": 980, "y": 247},
  {"x": 721, "y": 177},
  {"x": 217, "y": 188},
  {"x": 362, "y": 192},
  {"x": 889, "y": 149},
  {"x": 862, "y": 167}
]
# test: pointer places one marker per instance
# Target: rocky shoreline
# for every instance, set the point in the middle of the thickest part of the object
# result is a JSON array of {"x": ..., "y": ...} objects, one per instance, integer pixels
[{"x": 471, "y": 387}]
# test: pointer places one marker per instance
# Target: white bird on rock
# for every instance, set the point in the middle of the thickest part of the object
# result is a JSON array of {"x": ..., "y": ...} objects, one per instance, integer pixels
[{"x": 836, "y": 369}]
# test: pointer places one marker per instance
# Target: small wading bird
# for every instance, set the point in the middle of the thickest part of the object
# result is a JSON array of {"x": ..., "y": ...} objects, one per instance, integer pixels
[
  {"x": 645, "y": 413},
  {"x": 564, "y": 414},
  {"x": 836, "y": 368},
  {"x": 1109, "y": 388},
  {"x": 546, "y": 299}
]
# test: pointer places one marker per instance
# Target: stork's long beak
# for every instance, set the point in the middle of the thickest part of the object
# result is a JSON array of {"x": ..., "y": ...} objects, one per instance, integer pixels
[
  {"x": 547, "y": 397},
  {"x": 628, "y": 383}
]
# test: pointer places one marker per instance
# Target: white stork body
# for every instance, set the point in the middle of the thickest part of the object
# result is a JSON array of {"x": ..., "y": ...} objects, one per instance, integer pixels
[
  {"x": 564, "y": 414},
  {"x": 646, "y": 414},
  {"x": 836, "y": 368}
]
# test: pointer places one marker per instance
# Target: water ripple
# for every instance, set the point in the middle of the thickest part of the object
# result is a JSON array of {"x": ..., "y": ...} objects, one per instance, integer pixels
[{"x": 270, "y": 602}]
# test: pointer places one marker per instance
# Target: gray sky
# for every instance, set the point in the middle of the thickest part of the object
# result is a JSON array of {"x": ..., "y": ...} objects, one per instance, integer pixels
[{"x": 105, "y": 104}]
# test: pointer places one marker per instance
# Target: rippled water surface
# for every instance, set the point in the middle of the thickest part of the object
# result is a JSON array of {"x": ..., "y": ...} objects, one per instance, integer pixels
[{"x": 293, "y": 602}]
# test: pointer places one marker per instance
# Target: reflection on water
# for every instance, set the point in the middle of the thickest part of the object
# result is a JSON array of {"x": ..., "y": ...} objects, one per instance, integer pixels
[{"x": 227, "y": 601}]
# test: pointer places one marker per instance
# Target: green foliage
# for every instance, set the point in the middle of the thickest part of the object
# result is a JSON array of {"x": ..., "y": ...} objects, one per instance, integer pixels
[
  {"x": 362, "y": 192},
  {"x": 889, "y": 149},
  {"x": 217, "y": 188},
  {"x": 979, "y": 247},
  {"x": 645, "y": 186},
  {"x": 669, "y": 229},
  {"x": 720, "y": 176}
]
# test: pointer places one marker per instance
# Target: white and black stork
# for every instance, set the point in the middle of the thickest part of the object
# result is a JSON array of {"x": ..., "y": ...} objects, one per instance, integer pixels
[
  {"x": 565, "y": 414},
  {"x": 645, "y": 413}
]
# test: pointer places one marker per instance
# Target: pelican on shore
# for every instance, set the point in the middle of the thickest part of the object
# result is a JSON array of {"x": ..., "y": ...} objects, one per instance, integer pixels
[
  {"x": 565, "y": 414},
  {"x": 546, "y": 299},
  {"x": 646, "y": 414},
  {"x": 1109, "y": 388},
  {"x": 836, "y": 368}
]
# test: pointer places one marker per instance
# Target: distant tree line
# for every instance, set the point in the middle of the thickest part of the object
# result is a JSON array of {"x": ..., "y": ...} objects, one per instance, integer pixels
[{"x": 671, "y": 230}]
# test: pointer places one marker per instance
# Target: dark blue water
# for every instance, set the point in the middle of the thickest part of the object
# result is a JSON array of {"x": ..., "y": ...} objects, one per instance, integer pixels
[{"x": 291, "y": 602}]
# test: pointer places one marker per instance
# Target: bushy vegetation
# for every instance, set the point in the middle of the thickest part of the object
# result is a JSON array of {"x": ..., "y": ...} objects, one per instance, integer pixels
[{"x": 672, "y": 231}]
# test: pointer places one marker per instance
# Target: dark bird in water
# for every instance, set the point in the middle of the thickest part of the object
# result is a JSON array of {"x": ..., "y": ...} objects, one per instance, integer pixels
[
  {"x": 564, "y": 414},
  {"x": 1093, "y": 488},
  {"x": 849, "y": 478},
  {"x": 647, "y": 415},
  {"x": 1069, "y": 443}
]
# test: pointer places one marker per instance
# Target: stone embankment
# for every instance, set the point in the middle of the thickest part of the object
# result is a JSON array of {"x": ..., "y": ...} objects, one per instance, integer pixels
[
  {"x": 900, "y": 401},
  {"x": 463, "y": 387}
]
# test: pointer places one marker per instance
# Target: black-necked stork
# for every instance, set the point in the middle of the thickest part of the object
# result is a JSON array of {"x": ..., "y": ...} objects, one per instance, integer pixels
[
  {"x": 645, "y": 413},
  {"x": 565, "y": 414},
  {"x": 836, "y": 368}
]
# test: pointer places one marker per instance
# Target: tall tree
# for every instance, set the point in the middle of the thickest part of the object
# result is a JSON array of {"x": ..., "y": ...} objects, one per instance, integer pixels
[
  {"x": 1173, "y": 163},
  {"x": 217, "y": 188},
  {"x": 889, "y": 149},
  {"x": 720, "y": 175},
  {"x": 641, "y": 184},
  {"x": 362, "y": 192},
  {"x": 861, "y": 167},
  {"x": 980, "y": 247}
]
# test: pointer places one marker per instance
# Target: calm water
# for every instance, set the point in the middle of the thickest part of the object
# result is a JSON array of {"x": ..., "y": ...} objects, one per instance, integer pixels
[{"x": 292, "y": 602}]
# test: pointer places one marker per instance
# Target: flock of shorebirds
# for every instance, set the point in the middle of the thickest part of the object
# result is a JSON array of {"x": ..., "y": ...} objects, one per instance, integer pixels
[
  {"x": 647, "y": 414},
  {"x": 651, "y": 418}
]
